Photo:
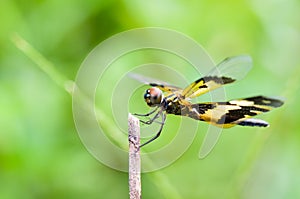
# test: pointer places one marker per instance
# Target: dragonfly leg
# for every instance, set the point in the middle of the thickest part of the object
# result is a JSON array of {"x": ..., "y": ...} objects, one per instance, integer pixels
[
  {"x": 152, "y": 119},
  {"x": 163, "y": 116},
  {"x": 147, "y": 114}
]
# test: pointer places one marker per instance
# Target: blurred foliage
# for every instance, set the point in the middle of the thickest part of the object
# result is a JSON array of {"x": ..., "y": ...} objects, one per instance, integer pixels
[{"x": 41, "y": 155}]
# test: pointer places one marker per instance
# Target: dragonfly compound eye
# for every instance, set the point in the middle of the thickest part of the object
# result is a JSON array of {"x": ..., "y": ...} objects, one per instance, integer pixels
[{"x": 153, "y": 96}]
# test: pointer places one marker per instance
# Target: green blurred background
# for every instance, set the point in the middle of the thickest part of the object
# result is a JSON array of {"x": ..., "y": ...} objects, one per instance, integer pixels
[{"x": 41, "y": 155}]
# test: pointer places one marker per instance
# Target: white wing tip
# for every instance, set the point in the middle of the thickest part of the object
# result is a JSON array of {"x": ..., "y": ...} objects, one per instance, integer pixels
[{"x": 254, "y": 122}]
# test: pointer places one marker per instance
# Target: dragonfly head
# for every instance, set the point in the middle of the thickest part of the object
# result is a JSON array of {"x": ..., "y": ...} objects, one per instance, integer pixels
[{"x": 153, "y": 96}]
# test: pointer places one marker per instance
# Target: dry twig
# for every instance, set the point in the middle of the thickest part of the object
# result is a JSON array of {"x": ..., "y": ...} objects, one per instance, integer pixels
[{"x": 134, "y": 157}]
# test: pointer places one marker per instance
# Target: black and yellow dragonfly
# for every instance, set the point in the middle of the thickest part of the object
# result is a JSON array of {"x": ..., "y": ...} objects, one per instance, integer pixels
[{"x": 168, "y": 99}]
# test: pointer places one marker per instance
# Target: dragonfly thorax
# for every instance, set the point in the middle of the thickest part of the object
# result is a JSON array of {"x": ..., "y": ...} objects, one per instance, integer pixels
[{"x": 153, "y": 96}]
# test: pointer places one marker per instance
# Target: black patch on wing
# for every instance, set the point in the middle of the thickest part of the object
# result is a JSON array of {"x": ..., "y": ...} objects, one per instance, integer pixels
[
  {"x": 236, "y": 114},
  {"x": 261, "y": 105},
  {"x": 202, "y": 108},
  {"x": 203, "y": 86},
  {"x": 261, "y": 100},
  {"x": 219, "y": 80}
]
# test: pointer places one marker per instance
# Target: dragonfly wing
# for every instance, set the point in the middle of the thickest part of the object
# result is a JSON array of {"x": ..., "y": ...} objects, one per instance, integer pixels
[
  {"x": 166, "y": 87},
  {"x": 235, "y": 67},
  {"x": 237, "y": 111},
  {"x": 231, "y": 113},
  {"x": 228, "y": 71}
]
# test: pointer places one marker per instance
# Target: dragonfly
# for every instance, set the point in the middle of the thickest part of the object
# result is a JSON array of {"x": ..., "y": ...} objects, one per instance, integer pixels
[{"x": 168, "y": 99}]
